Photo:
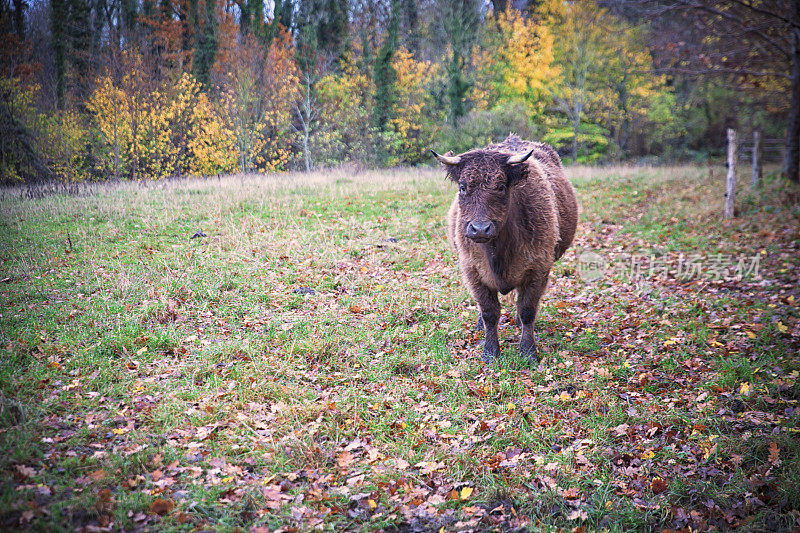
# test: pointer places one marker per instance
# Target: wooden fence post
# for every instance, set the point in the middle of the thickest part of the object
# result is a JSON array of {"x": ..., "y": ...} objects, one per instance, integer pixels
[
  {"x": 730, "y": 179},
  {"x": 756, "y": 159}
]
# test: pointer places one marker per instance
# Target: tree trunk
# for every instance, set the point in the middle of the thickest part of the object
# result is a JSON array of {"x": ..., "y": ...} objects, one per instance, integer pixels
[
  {"x": 575, "y": 128},
  {"x": 58, "y": 40},
  {"x": 499, "y": 6},
  {"x": 306, "y": 155},
  {"x": 306, "y": 114},
  {"x": 756, "y": 159},
  {"x": 791, "y": 155},
  {"x": 307, "y": 128},
  {"x": 116, "y": 146},
  {"x": 19, "y": 19},
  {"x": 730, "y": 179}
]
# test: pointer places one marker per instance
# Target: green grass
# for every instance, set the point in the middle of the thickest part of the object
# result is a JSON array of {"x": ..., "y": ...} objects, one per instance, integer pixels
[{"x": 154, "y": 381}]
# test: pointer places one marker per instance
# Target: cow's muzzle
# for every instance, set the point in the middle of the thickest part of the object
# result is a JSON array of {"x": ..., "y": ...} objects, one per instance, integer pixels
[{"x": 481, "y": 230}]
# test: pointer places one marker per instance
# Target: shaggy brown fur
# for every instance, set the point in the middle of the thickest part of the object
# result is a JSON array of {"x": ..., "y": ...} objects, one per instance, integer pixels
[{"x": 531, "y": 211}]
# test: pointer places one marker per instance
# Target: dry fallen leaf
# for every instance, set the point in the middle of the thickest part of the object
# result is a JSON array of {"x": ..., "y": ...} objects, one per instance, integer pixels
[
  {"x": 774, "y": 454},
  {"x": 161, "y": 506},
  {"x": 26, "y": 517},
  {"x": 345, "y": 458},
  {"x": 658, "y": 485},
  {"x": 620, "y": 430},
  {"x": 355, "y": 480},
  {"x": 571, "y": 493},
  {"x": 97, "y": 475},
  {"x": 436, "y": 499},
  {"x": 578, "y": 514},
  {"x": 25, "y": 471}
]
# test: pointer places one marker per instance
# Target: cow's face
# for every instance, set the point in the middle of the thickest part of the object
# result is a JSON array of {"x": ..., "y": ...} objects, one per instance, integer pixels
[{"x": 484, "y": 179}]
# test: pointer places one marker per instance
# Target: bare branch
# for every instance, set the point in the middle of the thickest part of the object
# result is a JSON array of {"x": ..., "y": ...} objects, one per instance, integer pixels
[
  {"x": 766, "y": 12},
  {"x": 705, "y": 72}
]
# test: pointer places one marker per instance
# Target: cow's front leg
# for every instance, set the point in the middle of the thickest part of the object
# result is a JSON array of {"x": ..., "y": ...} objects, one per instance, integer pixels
[
  {"x": 527, "y": 308},
  {"x": 489, "y": 307}
]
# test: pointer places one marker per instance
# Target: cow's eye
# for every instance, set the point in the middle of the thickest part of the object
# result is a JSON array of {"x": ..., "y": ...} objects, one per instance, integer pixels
[
  {"x": 462, "y": 188},
  {"x": 501, "y": 187}
]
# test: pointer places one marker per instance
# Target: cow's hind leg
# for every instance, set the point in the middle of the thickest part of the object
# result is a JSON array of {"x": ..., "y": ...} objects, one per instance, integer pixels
[{"x": 527, "y": 308}]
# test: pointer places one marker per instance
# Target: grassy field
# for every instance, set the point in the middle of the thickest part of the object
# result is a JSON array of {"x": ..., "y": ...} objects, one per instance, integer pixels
[{"x": 310, "y": 362}]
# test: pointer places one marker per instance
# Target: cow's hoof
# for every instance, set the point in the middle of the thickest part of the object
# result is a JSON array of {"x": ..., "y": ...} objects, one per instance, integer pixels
[
  {"x": 490, "y": 353},
  {"x": 528, "y": 349}
]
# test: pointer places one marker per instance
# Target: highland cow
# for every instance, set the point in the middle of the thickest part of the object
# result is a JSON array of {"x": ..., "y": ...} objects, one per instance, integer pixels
[{"x": 514, "y": 215}]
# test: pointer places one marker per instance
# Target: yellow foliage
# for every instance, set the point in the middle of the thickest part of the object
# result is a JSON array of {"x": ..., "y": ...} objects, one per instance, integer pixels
[
  {"x": 260, "y": 89},
  {"x": 413, "y": 120},
  {"x": 56, "y": 141},
  {"x": 65, "y": 138},
  {"x": 19, "y": 101},
  {"x": 606, "y": 69},
  {"x": 344, "y": 119},
  {"x": 515, "y": 62},
  {"x": 154, "y": 134},
  {"x": 211, "y": 143}
]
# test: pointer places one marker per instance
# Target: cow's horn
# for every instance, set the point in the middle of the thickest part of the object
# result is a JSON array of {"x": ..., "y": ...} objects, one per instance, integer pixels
[
  {"x": 448, "y": 160},
  {"x": 519, "y": 158}
]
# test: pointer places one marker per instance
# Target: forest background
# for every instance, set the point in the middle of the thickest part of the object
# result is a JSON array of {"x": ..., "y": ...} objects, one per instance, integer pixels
[{"x": 92, "y": 90}]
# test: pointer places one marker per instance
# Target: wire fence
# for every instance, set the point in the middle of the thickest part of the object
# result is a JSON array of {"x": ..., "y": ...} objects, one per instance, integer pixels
[{"x": 771, "y": 149}]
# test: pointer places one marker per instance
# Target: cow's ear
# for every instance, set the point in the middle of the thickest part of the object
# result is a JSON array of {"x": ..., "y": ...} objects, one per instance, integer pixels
[
  {"x": 453, "y": 174},
  {"x": 515, "y": 171},
  {"x": 515, "y": 174}
]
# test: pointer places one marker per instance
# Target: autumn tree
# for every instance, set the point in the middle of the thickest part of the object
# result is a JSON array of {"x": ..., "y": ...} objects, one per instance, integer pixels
[
  {"x": 119, "y": 105},
  {"x": 633, "y": 95},
  {"x": 169, "y": 37},
  {"x": 206, "y": 40},
  {"x": 514, "y": 63},
  {"x": 258, "y": 87},
  {"x": 753, "y": 46},
  {"x": 605, "y": 76},
  {"x": 344, "y": 129},
  {"x": 21, "y": 156},
  {"x": 384, "y": 74},
  {"x": 414, "y": 113},
  {"x": 460, "y": 23},
  {"x": 58, "y": 31},
  {"x": 583, "y": 52},
  {"x": 161, "y": 130}
]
